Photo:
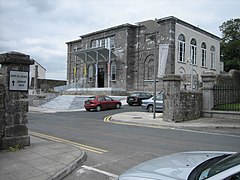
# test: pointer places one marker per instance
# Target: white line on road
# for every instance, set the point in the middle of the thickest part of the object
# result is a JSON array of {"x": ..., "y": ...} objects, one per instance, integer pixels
[
  {"x": 84, "y": 168},
  {"x": 204, "y": 132}
]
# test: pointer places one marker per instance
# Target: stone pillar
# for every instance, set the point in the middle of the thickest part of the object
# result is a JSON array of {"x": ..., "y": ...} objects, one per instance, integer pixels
[
  {"x": 15, "y": 69},
  {"x": 208, "y": 79},
  {"x": 171, "y": 85}
]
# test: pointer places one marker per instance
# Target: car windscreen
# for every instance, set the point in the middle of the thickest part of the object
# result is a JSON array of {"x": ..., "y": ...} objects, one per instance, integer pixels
[
  {"x": 199, "y": 172},
  {"x": 90, "y": 98},
  {"x": 214, "y": 166},
  {"x": 134, "y": 95},
  {"x": 223, "y": 165}
]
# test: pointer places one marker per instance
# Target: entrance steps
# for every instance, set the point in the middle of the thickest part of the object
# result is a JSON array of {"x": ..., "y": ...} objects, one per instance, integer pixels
[{"x": 66, "y": 102}]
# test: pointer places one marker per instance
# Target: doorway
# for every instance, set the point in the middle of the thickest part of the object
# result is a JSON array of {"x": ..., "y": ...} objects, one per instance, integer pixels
[{"x": 100, "y": 77}]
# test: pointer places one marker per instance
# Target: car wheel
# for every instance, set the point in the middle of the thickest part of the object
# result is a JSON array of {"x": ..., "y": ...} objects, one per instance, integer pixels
[
  {"x": 118, "y": 106},
  {"x": 88, "y": 109},
  {"x": 130, "y": 104},
  {"x": 150, "y": 108},
  {"x": 98, "y": 108}
]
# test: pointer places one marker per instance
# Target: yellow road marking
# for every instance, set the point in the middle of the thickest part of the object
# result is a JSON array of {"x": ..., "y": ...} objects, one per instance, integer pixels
[
  {"x": 82, "y": 146},
  {"x": 109, "y": 118}
]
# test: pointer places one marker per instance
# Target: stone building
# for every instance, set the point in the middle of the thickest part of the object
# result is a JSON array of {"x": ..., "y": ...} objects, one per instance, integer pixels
[{"x": 122, "y": 57}]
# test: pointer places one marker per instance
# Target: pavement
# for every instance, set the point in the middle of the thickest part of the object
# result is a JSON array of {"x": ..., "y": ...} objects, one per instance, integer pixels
[
  {"x": 146, "y": 119},
  {"x": 42, "y": 160},
  {"x": 53, "y": 159}
]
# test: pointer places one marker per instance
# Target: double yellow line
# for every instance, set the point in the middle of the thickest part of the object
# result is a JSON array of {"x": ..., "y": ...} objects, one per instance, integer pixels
[
  {"x": 108, "y": 119},
  {"x": 56, "y": 139}
]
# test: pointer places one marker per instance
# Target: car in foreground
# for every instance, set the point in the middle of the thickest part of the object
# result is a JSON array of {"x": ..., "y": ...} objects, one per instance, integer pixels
[
  {"x": 137, "y": 97},
  {"x": 99, "y": 103},
  {"x": 196, "y": 165},
  {"x": 148, "y": 104}
]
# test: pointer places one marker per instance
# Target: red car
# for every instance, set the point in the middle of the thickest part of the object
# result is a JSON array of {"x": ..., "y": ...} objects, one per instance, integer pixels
[{"x": 101, "y": 102}]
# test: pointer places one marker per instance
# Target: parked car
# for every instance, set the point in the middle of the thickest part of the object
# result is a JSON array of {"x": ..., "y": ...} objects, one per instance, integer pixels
[
  {"x": 148, "y": 104},
  {"x": 101, "y": 102},
  {"x": 209, "y": 165},
  {"x": 137, "y": 97}
]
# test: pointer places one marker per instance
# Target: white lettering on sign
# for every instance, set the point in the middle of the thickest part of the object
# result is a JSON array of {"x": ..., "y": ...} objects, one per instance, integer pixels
[{"x": 18, "y": 81}]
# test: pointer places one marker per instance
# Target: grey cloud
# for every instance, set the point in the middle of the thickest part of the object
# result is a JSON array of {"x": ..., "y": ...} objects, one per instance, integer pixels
[{"x": 42, "y": 6}]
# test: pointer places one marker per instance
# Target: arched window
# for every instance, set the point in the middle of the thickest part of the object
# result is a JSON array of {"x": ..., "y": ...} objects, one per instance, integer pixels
[
  {"x": 181, "y": 48},
  {"x": 193, "y": 50},
  {"x": 212, "y": 56},
  {"x": 149, "y": 70},
  {"x": 181, "y": 71},
  {"x": 113, "y": 71},
  {"x": 90, "y": 72},
  {"x": 204, "y": 54}
]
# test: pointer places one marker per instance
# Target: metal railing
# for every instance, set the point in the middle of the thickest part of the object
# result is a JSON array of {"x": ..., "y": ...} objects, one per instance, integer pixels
[
  {"x": 226, "y": 98},
  {"x": 66, "y": 87}
]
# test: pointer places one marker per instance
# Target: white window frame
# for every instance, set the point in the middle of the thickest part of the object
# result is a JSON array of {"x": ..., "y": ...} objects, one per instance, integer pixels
[
  {"x": 204, "y": 54},
  {"x": 112, "y": 42},
  {"x": 93, "y": 43},
  {"x": 106, "y": 42},
  {"x": 212, "y": 57},
  {"x": 113, "y": 71},
  {"x": 181, "y": 48},
  {"x": 193, "y": 51},
  {"x": 102, "y": 43}
]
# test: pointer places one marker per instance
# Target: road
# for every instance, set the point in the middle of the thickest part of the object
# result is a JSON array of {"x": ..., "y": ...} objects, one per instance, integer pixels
[{"x": 113, "y": 148}]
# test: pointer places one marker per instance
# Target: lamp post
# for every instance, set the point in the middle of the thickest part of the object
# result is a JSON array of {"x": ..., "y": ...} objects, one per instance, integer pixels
[
  {"x": 191, "y": 72},
  {"x": 153, "y": 26}
]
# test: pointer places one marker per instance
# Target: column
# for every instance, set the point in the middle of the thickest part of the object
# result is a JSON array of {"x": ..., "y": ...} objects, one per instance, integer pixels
[
  {"x": 15, "y": 69},
  {"x": 208, "y": 79},
  {"x": 171, "y": 111}
]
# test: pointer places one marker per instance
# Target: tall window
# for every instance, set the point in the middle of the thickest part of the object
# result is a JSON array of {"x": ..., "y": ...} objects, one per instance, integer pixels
[
  {"x": 102, "y": 43},
  {"x": 204, "y": 54},
  {"x": 181, "y": 48},
  {"x": 113, "y": 71},
  {"x": 105, "y": 42},
  {"x": 213, "y": 57},
  {"x": 90, "y": 72},
  {"x": 112, "y": 43},
  {"x": 149, "y": 69},
  {"x": 193, "y": 50},
  {"x": 93, "y": 43}
]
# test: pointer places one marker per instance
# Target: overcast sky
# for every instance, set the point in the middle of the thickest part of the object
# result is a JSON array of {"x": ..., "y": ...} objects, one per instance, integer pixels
[{"x": 41, "y": 28}]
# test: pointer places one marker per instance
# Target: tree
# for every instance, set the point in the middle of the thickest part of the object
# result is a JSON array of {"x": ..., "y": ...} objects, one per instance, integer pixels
[{"x": 230, "y": 44}]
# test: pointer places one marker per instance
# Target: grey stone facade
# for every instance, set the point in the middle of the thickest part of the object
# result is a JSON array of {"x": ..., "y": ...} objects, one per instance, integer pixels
[
  {"x": 14, "y": 103},
  {"x": 134, "y": 55}
]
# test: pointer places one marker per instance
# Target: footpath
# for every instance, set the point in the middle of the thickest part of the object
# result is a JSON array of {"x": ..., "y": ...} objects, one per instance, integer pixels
[
  {"x": 46, "y": 159},
  {"x": 145, "y": 118}
]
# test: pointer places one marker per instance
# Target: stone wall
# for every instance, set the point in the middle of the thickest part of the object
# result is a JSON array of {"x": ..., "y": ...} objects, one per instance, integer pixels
[
  {"x": 180, "y": 105},
  {"x": 14, "y": 99},
  {"x": 2, "y": 111},
  {"x": 190, "y": 105},
  {"x": 231, "y": 78},
  {"x": 47, "y": 85}
]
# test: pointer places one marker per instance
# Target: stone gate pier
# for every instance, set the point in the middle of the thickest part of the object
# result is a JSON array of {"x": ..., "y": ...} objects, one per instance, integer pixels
[{"x": 14, "y": 83}]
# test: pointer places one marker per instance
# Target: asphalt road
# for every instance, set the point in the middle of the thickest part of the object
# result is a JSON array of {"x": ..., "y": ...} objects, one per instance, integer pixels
[{"x": 112, "y": 148}]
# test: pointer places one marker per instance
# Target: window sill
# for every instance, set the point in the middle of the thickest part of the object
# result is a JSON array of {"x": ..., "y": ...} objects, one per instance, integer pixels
[
  {"x": 182, "y": 62},
  {"x": 150, "y": 80}
]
